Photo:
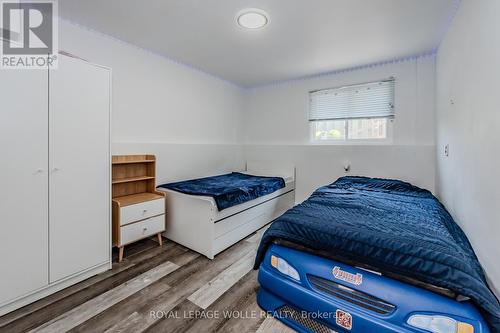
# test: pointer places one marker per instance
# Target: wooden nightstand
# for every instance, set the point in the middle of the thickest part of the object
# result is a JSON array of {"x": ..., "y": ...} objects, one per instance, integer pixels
[{"x": 138, "y": 209}]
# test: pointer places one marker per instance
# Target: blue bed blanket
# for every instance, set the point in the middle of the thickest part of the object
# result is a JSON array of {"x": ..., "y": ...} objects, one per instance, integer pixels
[
  {"x": 391, "y": 225},
  {"x": 230, "y": 189}
]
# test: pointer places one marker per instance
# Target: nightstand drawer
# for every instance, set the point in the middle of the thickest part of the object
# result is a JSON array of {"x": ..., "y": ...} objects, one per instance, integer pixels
[
  {"x": 139, "y": 230},
  {"x": 141, "y": 211}
]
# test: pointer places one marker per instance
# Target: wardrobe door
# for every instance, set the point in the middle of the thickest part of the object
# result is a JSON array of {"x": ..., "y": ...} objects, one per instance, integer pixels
[
  {"x": 23, "y": 182},
  {"x": 79, "y": 222}
]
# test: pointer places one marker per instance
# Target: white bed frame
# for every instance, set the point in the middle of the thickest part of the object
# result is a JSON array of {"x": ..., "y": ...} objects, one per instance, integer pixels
[{"x": 195, "y": 222}]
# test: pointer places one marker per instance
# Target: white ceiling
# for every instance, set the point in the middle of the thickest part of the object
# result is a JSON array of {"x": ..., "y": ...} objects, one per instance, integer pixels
[{"x": 304, "y": 37}]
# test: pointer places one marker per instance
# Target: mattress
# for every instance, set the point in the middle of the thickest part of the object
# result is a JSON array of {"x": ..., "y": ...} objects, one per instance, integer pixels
[
  {"x": 230, "y": 189},
  {"x": 391, "y": 225}
]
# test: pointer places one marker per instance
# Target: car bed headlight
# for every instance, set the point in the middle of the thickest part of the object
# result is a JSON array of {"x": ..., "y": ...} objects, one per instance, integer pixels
[
  {"x": 439, "y": 324},
  {"x": 284, "y": 267}
]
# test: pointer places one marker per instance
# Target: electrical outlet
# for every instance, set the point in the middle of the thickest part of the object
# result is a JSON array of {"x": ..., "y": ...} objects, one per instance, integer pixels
[{"x": 447, "y": 150}]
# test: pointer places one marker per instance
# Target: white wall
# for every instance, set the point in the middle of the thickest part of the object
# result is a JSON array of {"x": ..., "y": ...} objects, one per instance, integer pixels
[
  {"x": 277, "y": 127},
  {"x": 196, "y": 123},
  {"x": 278, "y": 114},
  {"x": 187, "y": 161},
  {"x": 468, "y": 68},
  {"x": 164, "y": 106},
  {"x": 319, "y": 165}
]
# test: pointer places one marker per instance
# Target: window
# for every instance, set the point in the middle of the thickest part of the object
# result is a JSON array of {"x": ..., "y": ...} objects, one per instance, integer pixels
[{"x": 362, "y": 112}]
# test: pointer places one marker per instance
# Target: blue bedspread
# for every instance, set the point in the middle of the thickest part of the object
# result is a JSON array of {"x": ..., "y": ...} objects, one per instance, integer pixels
[
  {"x": 230, "y": 189},
  {"x": 392, "y": 225}
]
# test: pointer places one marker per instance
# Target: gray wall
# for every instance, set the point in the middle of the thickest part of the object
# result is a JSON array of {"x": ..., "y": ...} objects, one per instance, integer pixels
[{"x": 468, "y": 119}]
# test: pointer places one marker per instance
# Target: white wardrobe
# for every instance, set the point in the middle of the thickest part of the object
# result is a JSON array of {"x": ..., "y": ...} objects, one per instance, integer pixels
[{"x": 54, "y": 179}]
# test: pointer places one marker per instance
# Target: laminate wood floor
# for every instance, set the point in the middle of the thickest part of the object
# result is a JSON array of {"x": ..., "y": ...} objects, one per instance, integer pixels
[{"x": 157, "y": 289}]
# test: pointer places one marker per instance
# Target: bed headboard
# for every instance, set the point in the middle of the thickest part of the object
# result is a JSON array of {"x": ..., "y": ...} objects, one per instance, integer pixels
[{"x": 271, "y": 168}]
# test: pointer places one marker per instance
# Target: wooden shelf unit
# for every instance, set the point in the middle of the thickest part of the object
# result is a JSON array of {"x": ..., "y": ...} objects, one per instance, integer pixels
[{"x": 134, "y": 190}]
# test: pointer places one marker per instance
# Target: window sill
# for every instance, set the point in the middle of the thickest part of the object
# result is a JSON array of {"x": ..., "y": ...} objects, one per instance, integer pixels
[{"x": 381, "y": 142}]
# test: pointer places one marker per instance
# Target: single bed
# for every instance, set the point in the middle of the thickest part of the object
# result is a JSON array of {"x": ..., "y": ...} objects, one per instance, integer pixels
[
  {"x": 381, "y": 256},
  {"x": 212, "y": 214}
]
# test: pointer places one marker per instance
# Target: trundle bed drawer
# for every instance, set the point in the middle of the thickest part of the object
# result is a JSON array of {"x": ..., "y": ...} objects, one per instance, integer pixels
[{"x": 268, "y": 210}]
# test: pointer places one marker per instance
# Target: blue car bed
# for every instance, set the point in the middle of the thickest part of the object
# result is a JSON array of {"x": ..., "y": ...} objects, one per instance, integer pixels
[{"x": 373, "y": 255}]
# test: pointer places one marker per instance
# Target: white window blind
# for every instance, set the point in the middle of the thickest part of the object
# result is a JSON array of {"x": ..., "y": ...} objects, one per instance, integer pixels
[{"x": 368, "y": 100}]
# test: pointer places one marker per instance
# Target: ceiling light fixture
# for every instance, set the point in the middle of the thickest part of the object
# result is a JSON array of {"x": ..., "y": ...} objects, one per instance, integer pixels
[{"x": 252, "y": 18}]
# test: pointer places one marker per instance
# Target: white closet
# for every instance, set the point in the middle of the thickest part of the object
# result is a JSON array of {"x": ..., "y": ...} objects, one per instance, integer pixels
[
  {"x": 54, "y": 179},
  {"x": 24, "y": 182}
]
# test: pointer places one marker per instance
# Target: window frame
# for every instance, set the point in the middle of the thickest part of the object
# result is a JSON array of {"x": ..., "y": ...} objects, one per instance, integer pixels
[{"x": 346, "y": 141}]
